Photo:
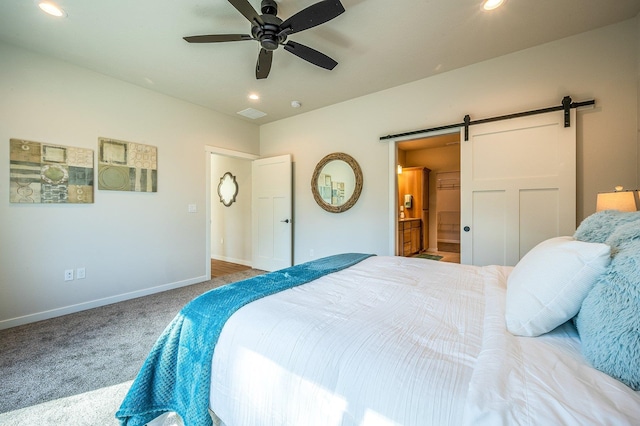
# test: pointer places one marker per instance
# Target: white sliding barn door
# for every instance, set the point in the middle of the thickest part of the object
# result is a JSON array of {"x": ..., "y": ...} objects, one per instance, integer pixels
[
  {"x": 271, "y": 213},
  {"x": 518, "y": 186}
]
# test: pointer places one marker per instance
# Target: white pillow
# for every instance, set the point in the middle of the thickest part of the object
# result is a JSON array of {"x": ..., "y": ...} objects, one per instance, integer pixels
[{"x": 547, "y": 287}]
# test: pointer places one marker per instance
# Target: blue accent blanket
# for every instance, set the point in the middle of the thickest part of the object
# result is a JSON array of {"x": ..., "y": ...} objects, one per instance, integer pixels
[{"x": 177, "y": 372}]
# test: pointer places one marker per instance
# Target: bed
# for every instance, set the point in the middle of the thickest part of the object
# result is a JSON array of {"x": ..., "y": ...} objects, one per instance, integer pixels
[{"x": 384, "y": 340}]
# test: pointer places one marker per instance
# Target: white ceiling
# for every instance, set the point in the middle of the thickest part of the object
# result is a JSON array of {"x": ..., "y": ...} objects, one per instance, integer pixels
[{"x": 378, "y": 44}]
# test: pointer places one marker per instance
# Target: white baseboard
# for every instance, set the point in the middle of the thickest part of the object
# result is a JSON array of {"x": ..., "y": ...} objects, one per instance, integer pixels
[
  {"x": 65, "y": 310},
  {"x": 231, "y": 260}
]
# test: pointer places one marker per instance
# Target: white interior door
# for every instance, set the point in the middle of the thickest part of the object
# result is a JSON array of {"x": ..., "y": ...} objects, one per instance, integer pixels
[
  {"x": 518, "y": 187},
  {"x": 271, "y": 213}
]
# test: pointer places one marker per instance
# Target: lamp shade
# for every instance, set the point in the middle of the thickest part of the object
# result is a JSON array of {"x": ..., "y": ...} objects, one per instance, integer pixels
[{"x": 624, "y": 201}]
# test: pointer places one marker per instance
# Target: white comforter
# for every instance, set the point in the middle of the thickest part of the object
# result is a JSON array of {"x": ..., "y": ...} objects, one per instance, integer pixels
[{"x": 402, "y": 341}]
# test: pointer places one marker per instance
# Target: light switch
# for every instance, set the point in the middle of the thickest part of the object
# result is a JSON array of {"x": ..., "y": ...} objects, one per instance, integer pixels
[{"x": 192, "y": 208}]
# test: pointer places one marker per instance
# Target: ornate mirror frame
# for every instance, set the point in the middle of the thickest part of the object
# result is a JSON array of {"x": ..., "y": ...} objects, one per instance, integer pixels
[
  {"x": 355, "y": 167},
  {"x": 227, "y": 189}
]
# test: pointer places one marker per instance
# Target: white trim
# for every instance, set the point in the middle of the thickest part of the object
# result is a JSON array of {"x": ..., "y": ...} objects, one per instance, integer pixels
[
  {"x": 230, "y": 153},
  {"x": 231, "y": 260},
  {"x": 393, "y": 197},
  {"x": 207, "y": 211},
  {"x": 71, "y": 309},
  {"x": 424, "y": 135}
]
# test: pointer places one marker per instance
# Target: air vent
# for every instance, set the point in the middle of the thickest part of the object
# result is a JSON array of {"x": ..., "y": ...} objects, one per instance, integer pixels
[{"x": 252, "y": 113}]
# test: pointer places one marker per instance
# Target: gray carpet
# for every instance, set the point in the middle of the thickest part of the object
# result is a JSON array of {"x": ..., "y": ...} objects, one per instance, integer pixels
[
  {"x": 94, "y": 408},
  {"x": 88, "y": 350}
]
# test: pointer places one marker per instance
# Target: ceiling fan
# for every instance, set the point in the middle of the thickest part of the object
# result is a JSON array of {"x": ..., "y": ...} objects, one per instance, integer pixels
[{"x": 272, "y": 32}]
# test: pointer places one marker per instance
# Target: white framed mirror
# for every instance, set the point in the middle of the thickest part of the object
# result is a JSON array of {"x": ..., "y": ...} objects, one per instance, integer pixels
[{"x": 336, "y": 183}]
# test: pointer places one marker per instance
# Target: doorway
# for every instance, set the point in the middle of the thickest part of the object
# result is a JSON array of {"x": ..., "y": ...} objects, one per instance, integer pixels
[
  {"x": 231, "y": 218},
  {"x": 259, "y": 237},
  {"x": 439, "y": 155},
  {"x": 517, "y": 183},
  {"x": 226, "y": 228}
]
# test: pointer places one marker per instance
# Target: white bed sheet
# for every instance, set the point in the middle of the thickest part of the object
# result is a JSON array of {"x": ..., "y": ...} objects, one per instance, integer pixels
[
  {"x": 403, "y": 341},
  {"x": 541, "y": 380}
]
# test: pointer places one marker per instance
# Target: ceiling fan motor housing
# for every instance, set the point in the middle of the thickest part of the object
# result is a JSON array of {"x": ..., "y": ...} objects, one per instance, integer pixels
[{"x": 268, "y": 33}]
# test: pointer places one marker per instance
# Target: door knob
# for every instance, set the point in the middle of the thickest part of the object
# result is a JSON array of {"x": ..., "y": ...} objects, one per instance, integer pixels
[
  {"x": 466, "y": 229},
  {"x": 285, "y": 221}
]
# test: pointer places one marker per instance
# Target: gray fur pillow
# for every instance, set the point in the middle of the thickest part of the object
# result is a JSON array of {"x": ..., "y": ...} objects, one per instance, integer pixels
[{"x": 609, "y": 318}]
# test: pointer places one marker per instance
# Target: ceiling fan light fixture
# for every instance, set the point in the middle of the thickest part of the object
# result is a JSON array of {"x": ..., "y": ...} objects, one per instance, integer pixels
[
  {"x": 492, "y": 4},
  {"x": 52, "y": 9}
]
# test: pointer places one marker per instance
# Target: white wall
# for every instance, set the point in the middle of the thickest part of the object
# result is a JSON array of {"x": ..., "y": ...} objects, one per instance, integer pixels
[
  {"x": 130, "y": 243},
  {"x": 231, "y": 226},
  {"x": 309, "y": 137},
  {"x": 600, "y": 65}
]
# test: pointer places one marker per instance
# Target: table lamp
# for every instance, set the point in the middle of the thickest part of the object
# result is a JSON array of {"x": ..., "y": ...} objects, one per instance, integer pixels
[{"x": 621, "y": 200}]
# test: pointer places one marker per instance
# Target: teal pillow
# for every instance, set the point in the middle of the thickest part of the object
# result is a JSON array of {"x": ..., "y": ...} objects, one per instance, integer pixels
[
  {"x": 599, "y": 226},
  {"x": 609, "y": 318}
]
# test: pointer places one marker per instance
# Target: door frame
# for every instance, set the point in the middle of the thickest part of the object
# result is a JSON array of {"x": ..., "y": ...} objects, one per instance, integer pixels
[
  {"x": 209, "y": 151},
  {"x": 393, "y": 180}
]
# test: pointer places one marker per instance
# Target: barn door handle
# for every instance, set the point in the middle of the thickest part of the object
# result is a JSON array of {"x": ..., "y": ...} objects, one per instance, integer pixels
[{"x": 285, "y": 221}]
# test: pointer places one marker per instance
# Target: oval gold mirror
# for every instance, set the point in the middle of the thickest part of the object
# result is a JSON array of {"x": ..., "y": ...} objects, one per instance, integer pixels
[{"x": 336, "y": 182}]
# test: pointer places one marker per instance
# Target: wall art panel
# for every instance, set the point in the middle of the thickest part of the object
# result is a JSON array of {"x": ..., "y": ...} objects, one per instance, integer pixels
[
  {"x": 127, "y": 166},
  {"x": 49, "y": 173}
]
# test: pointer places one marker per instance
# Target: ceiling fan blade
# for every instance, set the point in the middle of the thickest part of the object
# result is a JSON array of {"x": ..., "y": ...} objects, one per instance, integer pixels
[
  {"x": 314, "y": 15},
  {"x": 244, "y": 7},
  {"x": 263, "y": 66},
  {"x": 217, "y": 38},
  {"x": 310, "y": 55}
]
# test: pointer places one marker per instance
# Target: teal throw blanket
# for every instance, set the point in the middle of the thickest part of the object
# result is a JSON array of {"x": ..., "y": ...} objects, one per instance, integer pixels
[{"x": 176, "y": 374}]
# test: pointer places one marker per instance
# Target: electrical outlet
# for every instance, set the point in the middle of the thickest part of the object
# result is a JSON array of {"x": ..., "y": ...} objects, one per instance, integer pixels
[
  {"x": 68, "y": 274},
  {"x": 81, "y": 273},
  {"x": 192, "y": 208}
]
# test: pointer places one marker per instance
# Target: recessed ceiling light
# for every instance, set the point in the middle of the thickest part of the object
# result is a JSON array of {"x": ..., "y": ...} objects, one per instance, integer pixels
[
  {"x": 254, "y": 96},
  {"x": 51, "y": 8},
  {"x": 492, "y": 4}
]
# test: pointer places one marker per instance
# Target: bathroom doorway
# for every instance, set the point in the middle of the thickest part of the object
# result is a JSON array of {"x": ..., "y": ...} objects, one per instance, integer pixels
[{"x": 438, "y": 158}]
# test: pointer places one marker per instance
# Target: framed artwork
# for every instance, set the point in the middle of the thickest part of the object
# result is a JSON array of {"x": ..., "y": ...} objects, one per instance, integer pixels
[
  {"x": 337, "y": 193},
  {"x": 48, "y": 173},
  {"x": 127, "y": 166},
  {"x": 324, "y": 187}
]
